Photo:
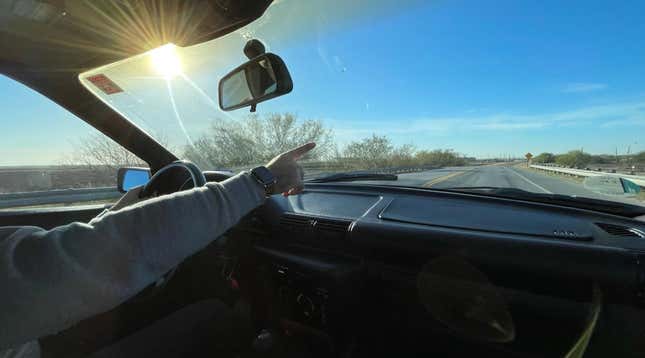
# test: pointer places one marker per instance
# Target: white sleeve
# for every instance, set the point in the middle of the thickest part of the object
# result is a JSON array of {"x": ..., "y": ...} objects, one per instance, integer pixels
[{"x": 52, "y": 279}]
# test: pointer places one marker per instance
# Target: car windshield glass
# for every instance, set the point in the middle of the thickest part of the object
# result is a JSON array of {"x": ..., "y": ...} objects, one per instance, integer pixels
[{"x": 544, "y": 97}]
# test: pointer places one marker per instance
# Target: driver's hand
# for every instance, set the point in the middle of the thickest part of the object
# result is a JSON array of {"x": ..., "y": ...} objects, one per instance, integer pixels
[
  {"x": 129, "y": 198},
  {"x": 288, "y": 174}
]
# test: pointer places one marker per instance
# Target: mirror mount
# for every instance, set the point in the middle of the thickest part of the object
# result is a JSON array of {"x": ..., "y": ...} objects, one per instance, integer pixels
[{"x": 254, "y": 48}]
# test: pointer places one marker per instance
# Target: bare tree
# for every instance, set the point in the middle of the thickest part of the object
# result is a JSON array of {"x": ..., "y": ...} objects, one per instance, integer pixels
[
  {"x": 100, "y": 157},
  {"x": 255, "y": 139},
  {"x": 378, "y": 152},
  {"x": 93, "y": 162},
  {"x": 439, "y": 157},
  {"x": 100, "y": 152},
  {"x": 403, "y": 156},
  {"x": 373, "y": 152}
]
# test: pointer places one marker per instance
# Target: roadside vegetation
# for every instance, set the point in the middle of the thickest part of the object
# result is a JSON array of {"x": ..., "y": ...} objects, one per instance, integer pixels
[
  {"x": 234, "y": 145},
  {"x": 633, "y": 164},
  {"x": 580, "y": 159},
  {"x": 231, "y": 144}
]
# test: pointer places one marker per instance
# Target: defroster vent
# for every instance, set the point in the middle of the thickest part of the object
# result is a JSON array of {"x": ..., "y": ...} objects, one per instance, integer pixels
[{"x": 619, "y": 230}]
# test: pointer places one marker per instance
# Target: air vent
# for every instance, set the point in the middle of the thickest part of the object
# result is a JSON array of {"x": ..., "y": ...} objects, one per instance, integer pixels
[
  {"x": 618, "y": 230},
  {"x": 296, "y": 221},
  {"x": 299, "y": 222},
  {"x": 332, "y": 225}
]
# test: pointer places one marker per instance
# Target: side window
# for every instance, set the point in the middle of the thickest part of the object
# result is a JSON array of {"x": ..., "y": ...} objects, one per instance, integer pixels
[{"x": 51, "y": 158}]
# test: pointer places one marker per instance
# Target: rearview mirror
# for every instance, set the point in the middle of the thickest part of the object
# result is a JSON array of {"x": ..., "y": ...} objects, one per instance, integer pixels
[
  {"x": 128, "y": 178},
  {"x": 260, "y": 79}
]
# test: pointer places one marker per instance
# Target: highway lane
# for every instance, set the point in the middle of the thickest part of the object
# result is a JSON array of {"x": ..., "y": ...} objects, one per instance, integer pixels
[
  {"x": 429, "y": 177},
  {"x": 525, "y": 179},
  {"x": 499, "y": 176},
  {"x": 505, "y": 176}
]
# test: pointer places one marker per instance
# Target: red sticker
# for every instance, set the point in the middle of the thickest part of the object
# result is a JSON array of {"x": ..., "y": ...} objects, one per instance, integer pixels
[{"x": 105, "y": 84}]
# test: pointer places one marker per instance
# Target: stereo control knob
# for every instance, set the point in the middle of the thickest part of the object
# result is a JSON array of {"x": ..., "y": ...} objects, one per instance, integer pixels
[{"x": 306, "y": 305}]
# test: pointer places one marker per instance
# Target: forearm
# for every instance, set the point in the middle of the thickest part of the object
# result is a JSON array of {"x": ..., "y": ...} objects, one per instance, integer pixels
[{"x": 53, "y": 279}]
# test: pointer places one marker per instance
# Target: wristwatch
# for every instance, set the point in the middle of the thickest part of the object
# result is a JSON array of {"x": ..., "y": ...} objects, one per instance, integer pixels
[{"x": 265, "y": 178}]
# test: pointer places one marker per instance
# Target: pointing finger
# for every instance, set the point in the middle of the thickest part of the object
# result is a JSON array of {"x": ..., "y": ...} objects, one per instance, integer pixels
[{"x": 297, "y": 153}]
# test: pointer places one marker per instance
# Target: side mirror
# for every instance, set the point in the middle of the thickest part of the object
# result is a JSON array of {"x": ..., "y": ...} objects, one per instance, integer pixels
[
  {"x": 630, "y": 187},
  {"x": 612, "y": 185},
  {"x": 128, "y": 178},
  {"x": 260, "y": 79}
]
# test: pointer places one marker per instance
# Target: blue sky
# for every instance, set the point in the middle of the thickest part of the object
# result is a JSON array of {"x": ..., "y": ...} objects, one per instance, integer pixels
[
  {"x": 35, "y": 130},
  {"x": 483, "y": 78}
]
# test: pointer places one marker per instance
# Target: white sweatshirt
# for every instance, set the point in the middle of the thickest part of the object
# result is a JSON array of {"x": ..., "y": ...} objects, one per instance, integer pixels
[{"x": 52, "y": 279}]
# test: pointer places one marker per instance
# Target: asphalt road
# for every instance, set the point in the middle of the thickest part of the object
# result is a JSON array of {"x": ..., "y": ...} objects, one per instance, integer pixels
[{"x": 506, "y": 176}]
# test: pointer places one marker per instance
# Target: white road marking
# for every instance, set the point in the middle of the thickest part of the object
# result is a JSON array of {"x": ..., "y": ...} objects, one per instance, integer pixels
[{"x": 529, "y": 181}]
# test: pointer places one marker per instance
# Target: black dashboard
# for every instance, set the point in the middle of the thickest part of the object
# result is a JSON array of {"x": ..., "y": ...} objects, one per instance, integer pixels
[
  {"x": 343, "y": 259},
  {"x": 532, "y": 236}
]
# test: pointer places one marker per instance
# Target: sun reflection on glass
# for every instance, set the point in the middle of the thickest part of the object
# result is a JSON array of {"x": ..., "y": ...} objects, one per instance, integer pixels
[{"x": 165, "y": 61}]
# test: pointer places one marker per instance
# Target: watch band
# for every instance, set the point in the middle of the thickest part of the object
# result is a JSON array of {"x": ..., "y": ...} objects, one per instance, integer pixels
[{"x": 265, "y": 178}]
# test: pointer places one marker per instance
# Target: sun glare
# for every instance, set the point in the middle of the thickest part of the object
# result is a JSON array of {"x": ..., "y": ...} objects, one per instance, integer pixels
[{"x": 165, "y": 61}]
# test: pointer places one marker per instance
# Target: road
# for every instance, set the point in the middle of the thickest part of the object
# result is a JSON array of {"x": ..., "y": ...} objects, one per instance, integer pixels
[{"x": 506, "y": 176}]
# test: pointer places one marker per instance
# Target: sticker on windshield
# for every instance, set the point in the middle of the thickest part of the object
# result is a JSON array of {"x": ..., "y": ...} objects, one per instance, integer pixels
[{"x": 105, "y": 84}]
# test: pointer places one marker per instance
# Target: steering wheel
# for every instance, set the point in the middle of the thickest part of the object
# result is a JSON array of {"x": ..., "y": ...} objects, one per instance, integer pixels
[
  {"x": 174, "y": 177},
  {"x": 165, "y": 179}
]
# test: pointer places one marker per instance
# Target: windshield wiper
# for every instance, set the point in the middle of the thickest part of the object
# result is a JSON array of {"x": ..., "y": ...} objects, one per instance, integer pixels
[
  {"x": 612, "y": 207},
  {"x": 352, "y": 176}
]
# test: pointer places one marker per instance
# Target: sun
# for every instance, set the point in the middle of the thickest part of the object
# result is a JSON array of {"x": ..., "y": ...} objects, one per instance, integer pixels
[{"x": 165, "y": 61}]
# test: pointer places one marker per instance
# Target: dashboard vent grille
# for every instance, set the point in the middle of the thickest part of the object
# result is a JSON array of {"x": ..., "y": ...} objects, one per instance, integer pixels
[
  {"x": 296, "y": 221},
  {"x": 332, "y": 225},
  {"x": 618, "y": 230},
  {"x": 299, "y": 222}
]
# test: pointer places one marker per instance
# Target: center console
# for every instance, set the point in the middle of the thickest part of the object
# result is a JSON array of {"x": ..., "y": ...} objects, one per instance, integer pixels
[{"x": 310, "y": 294}]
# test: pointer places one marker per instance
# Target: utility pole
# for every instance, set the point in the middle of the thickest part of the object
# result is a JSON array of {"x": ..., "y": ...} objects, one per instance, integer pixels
[{"x": 616, "y": 155}]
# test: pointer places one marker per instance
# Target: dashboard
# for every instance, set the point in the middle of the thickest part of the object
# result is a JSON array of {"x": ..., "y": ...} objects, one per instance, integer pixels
[
  {"x": 533, "y": 236},
  {"x": 341, "y": 260}
]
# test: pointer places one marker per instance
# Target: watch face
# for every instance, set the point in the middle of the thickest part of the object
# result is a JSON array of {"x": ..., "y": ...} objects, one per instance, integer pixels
[{"x": 264, "y": 175}]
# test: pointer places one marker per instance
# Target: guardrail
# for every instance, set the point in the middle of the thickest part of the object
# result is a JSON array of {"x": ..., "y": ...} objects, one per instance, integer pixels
[
  {"x": 314, "y": 169},
  {"x": 61, "y": 196},
  {"x": 80, "y": 195},
  {"x": 637, "y": 179}
]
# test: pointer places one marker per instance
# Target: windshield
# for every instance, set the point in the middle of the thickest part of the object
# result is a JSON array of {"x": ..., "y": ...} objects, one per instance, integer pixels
[{"x": 542, "y": 97}]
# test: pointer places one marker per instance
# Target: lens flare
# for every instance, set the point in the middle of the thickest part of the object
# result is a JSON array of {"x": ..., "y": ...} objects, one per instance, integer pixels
[{"x": 165, "y": 61}]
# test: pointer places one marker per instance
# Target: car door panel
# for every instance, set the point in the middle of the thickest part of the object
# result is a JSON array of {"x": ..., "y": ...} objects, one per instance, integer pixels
[{"x": 50, "y": 217}]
